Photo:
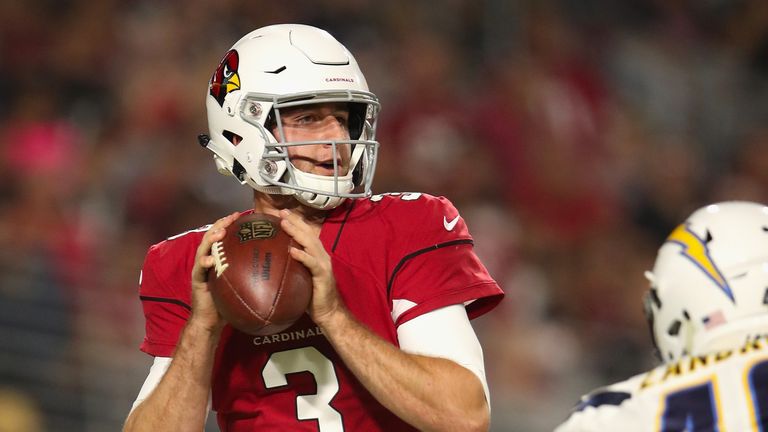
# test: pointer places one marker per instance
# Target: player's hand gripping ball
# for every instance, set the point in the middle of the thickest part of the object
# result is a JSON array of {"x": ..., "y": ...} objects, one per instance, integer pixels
[{"x": 256, "y": 285}]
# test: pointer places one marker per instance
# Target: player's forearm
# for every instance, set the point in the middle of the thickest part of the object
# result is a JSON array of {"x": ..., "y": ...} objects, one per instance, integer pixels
[
  {"x": 428, "y": 393},
  {"x": 180, "y": 401}
]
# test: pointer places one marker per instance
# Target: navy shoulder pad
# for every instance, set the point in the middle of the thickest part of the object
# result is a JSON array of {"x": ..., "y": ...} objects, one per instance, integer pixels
[{"x": 603, "y": 398}]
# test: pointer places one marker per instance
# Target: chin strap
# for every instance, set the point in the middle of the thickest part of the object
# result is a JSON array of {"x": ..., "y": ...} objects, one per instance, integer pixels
[
  {"x": 320, "y": 202},
  {"x": 325, "y": 190}
]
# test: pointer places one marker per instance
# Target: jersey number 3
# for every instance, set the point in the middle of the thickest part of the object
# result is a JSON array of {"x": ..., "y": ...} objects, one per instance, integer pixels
[{"x": 314, "y": 406}]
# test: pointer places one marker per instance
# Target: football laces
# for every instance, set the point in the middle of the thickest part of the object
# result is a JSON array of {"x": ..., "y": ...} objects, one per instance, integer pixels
[{"x": 219, "y": 259}]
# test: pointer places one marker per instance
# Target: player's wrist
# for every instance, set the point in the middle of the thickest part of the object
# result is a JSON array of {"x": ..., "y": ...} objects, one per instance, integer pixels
[
  {"x": 205, "y": 325},
  {"x": 334, "y": 319}
]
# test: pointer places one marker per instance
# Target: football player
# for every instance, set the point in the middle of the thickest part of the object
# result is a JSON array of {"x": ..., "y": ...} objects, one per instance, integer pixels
[
  {"x": 386, "y": 344},
  {"x": 708, "y": 312}
]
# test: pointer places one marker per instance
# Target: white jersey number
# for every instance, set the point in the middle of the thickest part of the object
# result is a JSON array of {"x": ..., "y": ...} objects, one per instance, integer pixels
[
  {"x": 405, "y": 196},
  {"x": 697, "y": 407},
  {"x": 314, "y": 406}
]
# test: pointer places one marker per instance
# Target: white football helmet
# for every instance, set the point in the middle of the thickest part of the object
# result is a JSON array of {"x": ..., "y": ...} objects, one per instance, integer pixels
[
  {"x": 281, "y": 66},
  {"x": 709, "y": 285}
]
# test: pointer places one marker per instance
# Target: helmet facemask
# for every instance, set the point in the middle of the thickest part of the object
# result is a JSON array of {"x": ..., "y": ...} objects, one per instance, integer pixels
[{"x": 318, "y": 191}]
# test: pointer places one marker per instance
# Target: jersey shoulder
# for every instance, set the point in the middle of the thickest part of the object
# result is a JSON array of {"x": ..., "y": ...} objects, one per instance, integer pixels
[
  {"x": 612, "y": 395},
  {"x": 417, "y": 216},
  {"x": 168, "y": 264},
  {"x": 613, "y": 407},
  {"x": 409, "y": 204}
]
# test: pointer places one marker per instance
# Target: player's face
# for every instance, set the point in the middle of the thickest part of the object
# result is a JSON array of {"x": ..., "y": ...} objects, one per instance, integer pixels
[{"x": 317, "y": 122}]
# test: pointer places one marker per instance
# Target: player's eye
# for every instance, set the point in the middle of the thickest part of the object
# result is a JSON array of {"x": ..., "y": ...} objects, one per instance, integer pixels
[
  {"x": 343, "y": 120},
  {"x": 299, "y": 119},
  {"x": 307, "y": 119}
]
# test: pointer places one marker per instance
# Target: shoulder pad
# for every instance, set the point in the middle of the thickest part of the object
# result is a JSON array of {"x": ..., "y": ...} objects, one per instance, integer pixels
[{"x": 602, "y": 397}]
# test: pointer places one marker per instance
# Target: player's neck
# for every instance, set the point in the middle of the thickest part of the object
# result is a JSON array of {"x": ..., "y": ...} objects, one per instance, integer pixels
[{"x": 272, "y": 204}]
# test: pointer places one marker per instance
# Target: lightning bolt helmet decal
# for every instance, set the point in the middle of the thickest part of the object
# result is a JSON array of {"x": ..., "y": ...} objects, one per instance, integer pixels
[{"x": 695, "y": 249}]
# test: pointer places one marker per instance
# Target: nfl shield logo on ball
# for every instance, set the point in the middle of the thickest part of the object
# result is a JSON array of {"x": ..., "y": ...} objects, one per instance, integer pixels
[{"x": 256, "y": 230}]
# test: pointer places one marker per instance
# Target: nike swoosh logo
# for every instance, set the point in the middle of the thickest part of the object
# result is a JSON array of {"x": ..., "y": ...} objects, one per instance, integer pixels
[{"x": 449, "y": 225}]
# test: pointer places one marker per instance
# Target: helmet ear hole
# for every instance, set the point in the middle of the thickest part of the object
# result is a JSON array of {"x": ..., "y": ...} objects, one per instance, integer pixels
[
  {"x": 357, "y": 113},
  {"x": 270, "y": 123},
  {"x": 653, "y": 295},
  {"x": 357, "y": 175},
  {"x": 232, "y": 137},
  {"x": 674, "y": 328},
  {"x": 650, "y": 320},
  {"x": 238, "y": 170}
]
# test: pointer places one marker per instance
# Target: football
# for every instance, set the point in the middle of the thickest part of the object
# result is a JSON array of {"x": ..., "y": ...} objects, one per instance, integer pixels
[{"x": 256, "y": 285}]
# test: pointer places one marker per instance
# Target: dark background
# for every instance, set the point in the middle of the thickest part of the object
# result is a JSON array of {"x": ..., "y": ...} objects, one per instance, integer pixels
[{"x": 572, "y": 136}]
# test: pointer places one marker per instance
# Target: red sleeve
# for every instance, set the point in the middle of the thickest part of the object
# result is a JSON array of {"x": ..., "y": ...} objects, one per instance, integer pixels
[
  {"x": 165, "y": 293},
  {"x": 437, "y": 265}
]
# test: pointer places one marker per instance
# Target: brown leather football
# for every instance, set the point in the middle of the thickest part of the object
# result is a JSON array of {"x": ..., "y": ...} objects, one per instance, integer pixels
[{"x": 256, "y": 285}]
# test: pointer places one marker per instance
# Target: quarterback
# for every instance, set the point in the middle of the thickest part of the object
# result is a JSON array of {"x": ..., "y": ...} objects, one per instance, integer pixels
[
  {"x": 386, "y": 343},
  {"x": 708, "y": 312}
]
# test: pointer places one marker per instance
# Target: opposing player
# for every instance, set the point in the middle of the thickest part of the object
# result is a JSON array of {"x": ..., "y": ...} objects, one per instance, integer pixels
[
  {"x": 386, "y": 344},
  {"x": 708, "y": 311}
]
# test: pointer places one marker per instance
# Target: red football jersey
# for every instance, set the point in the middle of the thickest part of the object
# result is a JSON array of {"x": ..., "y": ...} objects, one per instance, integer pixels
[{"x": 394, "y": 256}]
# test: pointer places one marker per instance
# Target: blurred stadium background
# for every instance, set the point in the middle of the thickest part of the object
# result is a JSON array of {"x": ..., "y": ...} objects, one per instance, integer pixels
[{"x": 572, "y": 136}]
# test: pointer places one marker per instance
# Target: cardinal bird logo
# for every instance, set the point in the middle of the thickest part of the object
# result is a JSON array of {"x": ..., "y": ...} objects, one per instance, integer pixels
[{"x": 225, "y": 80}]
